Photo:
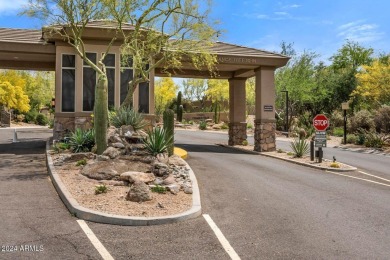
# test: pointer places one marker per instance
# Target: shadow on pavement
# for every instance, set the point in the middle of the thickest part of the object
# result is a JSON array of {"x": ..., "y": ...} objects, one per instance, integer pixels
[
  {"x": 25, "y": 147},
  {"x": 199, "y": 148}
]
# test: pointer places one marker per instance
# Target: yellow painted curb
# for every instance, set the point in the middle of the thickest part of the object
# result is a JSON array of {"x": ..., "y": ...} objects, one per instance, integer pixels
[{"x": 182, "y": 153}]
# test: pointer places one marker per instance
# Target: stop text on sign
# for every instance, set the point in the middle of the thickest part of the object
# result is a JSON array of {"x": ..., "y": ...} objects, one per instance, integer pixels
[{"x": 320, "y": 122}]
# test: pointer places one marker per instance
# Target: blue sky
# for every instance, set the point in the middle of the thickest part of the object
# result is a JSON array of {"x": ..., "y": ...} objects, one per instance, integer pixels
[{"x": 317, "y": 25}]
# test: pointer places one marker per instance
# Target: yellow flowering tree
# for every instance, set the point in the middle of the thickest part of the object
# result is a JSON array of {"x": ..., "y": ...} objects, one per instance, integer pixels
[
  {"x": 13, "y": 97},
  {"x": 373, "y": 88},
  {"x": 164, "y": 93}
]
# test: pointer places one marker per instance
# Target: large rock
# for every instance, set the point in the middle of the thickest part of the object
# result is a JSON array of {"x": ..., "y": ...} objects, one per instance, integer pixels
[
  {"x": 177, "y": 160},
  {"x": 127, "y": 130},
  {"x": 160, "y": 169},
  {"x": 139, "y": 192},
  {"x": 111, "y": 152},
  {"x": 169, "y": 180},
  {"x": 104, "y": 170},
  {"x": 118, "y": 145},
  {"x": 132, "y": 177}
]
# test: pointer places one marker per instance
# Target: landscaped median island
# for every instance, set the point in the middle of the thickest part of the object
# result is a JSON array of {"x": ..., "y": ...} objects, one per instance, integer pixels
[{"x": 134, "y": 181}]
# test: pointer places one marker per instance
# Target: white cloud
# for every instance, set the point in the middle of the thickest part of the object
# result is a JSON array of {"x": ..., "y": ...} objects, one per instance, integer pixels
[
  {"x": 360, "y": 31},
  {"x": 11, "y": 6}
]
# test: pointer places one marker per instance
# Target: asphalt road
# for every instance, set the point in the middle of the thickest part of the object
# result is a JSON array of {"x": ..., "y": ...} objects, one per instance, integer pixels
[
  {"x": 270, "y": 209},
  {"x": 266, "y": 209}
]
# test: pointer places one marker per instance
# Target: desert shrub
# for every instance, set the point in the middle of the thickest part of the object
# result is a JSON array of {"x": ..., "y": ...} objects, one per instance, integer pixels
[
  {"x": 51, "y": 123},
  {"x": 382, "y": 120},
  {"x": 99, "y": 189},
  {"x": 202, "y": 125},
  {"x": 245, "y": 142},
  {"x": 41, "y": 119},
  {"x": 127, "y": 116},
  {"x": 224, "y": 126},
  {"x": 19, "y": 118},
  {"x": 81, "y": 162},
  {"x": 338, "y": 131},
  {"x": 335, "y": 165},
  {"x": 159, "y": 189},
  {"x": 30, "y": 116},
  {"x": 82, "y": 140},
  {"x": 249, "y": 126},
  {"x": 361, "y": 120},
  {"x": 375, "y": 140},
  {"x": 300, "y": 147},
  {"x": 336, "y": 119},
  {"x": 360, "y": 138},
  {"x": 157, "y": 141},
  {"x": 351, "y": 139}
]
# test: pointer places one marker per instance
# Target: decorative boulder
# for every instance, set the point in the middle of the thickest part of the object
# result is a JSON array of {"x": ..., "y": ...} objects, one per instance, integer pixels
[
  {"x": 127, "y": 130},
  {"x": 139, "y": 192},
  {"x": 160, "y": 169},
  {"x": 111, "y": 152},
  {"x": 137, "y": 176},
  {"x": 104, "y": 170},
  {"x": 177, "y": 160},
  {"x": 169, "y": 180},
  {"x": 118, "y": 145}
]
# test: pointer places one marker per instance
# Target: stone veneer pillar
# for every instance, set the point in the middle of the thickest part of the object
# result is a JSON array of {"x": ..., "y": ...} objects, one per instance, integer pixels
[
  {"x": 237, "y": 107},
  {"x": 265, "y": 136},
  {"x": 265, "y": 122}
]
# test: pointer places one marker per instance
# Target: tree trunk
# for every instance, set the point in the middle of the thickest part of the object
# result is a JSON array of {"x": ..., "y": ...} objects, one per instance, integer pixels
[
  {"x": 101, "y": 113},
  {"x": 128, "y": 102}
]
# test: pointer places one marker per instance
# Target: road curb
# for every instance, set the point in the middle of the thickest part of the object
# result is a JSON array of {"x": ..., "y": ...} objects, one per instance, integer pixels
[
  {"x": 95, "y": 216},
  {"x": 292, "y": 161}
]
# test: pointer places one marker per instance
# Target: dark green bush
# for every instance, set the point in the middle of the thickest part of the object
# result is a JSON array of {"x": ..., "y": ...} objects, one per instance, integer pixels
[
  {"x": 375, "y": 140},
  {"x": 41, "y": 119},
  {"x": 30, "y": 116},
  {"x": 82, "y": 140},
  {"x": 382, "y": 120},
  {"x": 202, "y": 125},
  {"x": 336, "y": 119}
]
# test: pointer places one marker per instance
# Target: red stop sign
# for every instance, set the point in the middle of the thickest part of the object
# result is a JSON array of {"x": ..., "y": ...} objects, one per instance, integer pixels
[{"x": 320, "y": 122}]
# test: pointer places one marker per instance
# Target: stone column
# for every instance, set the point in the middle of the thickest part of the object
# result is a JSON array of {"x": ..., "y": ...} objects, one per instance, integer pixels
[
  {"x": 265, "y": 122},
  {"x": 237, "y": 107}
]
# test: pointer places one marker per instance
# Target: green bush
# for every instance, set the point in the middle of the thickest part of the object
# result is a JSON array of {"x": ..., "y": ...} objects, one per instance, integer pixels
[
  {"x": 361, "y": 120},
  {"x": 30, "y": 116},
  {"x": 82, "y": 140},
  {"x": 51, "y": 123},
  {"x": 375, "y": 140},
  {"x": 249, "y": 126},
  {"x": 41, "y": 119},
  {"x": 202, "y": 125},
  {"x": 245, "y": 143},
  {"x": 361, "y": 138},
  {"x": 351, "y": 139},
  {"x": 127, "y": 116},
  {"x": 159, "y": 189},
  {"x": 382, "y": 120},
  {"x": 157, "y": 141},
  {"x": 81, "y": 162},
  {"x": 300, "y": 147},
  {"x": 338, "y": 131},
  {"x": 99, "y": 189}
]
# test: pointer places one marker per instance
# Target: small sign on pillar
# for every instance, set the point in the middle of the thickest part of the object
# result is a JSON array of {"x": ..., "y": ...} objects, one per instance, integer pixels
[{"x": 268, "y": 108}]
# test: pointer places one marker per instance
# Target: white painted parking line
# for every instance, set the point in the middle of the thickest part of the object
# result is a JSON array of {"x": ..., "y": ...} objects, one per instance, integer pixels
[
  {"x": 222, "y": 239},
  {"x": 95, "y": 241},
  {"x": 375, "y": 176},
  {"x": 359, "y": 178}
]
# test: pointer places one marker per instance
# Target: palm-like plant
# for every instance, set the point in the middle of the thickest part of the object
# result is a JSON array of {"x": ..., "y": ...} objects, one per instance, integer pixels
[
  {"x": 157, "y": 141},
  {"x": 127, "y": 116},
  {"x": 300, "y": 147}
]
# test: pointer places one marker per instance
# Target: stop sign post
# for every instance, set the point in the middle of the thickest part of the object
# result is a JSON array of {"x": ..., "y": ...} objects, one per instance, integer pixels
[{"x": 320, "y": 123}]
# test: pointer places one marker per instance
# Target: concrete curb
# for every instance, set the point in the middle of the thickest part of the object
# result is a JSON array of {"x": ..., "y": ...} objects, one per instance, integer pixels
[
  {"x": 100, "y": 217},
  {"x": 293, "y": 161}
]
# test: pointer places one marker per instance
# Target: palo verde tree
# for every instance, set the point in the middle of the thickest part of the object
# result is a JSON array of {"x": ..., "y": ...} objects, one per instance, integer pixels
[{"x": 163, "y": 33}]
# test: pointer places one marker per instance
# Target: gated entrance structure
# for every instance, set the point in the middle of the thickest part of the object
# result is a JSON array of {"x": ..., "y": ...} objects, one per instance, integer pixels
[{"x": 23, "y": 49}]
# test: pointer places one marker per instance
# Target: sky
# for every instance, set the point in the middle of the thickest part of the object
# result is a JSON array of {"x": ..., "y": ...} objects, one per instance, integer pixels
[{"x": 322, "y": 26}]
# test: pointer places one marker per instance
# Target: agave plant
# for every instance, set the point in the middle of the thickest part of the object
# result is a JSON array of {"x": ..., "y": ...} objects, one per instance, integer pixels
[
  {"x": 300, "y": 147},
  {"x": 157, "y": 141},
  {"x": 127, "y": 116},
  {"x": 82, "y": 140}
]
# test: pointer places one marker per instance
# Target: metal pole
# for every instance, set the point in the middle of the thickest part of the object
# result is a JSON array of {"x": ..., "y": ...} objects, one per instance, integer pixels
[
  {"x": 287, "y": 111},
  {"x": 311, "y": 150},
  {"x": 345, "y": 126}
]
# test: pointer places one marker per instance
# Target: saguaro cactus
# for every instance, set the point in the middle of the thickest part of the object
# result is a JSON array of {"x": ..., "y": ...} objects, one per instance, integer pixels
[
  {"x": 179, "y": 107},
  {"x": 217, "y": 111},
  {"x": 101, "y": 113},
  {"x": 169, "y": 124}
]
